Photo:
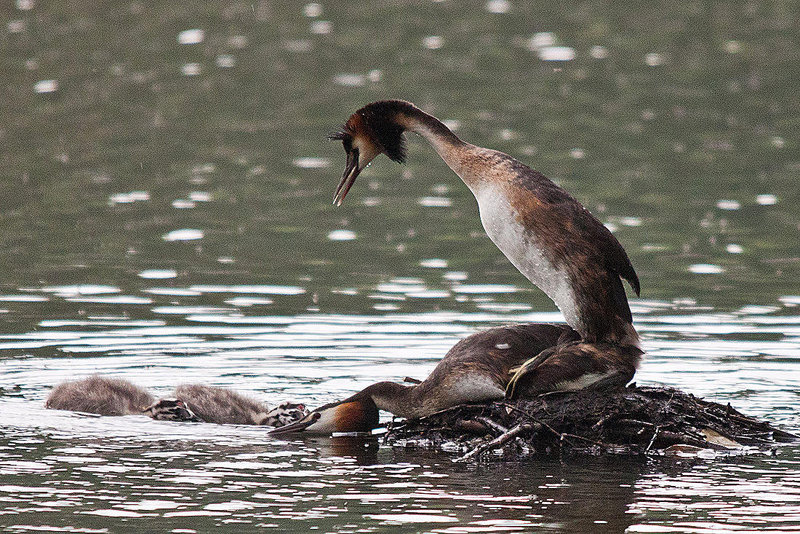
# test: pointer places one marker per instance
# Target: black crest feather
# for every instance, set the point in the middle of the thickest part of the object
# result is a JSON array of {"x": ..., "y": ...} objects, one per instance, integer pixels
[{"x": 381, "y": 120}]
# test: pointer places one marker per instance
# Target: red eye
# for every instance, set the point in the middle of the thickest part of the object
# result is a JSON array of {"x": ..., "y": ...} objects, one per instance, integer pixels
[{"x": 301, "y": 406}]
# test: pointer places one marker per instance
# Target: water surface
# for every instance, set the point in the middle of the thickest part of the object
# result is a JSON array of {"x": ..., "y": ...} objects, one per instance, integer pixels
[{"x": 165, "y": 217}]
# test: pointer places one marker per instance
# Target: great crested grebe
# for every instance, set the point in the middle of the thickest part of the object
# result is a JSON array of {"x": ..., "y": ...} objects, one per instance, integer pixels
[
  {"x": 192, "y": 403},
  {"x": 548, "y": 235},
  {"x": 476, "y": 369}
]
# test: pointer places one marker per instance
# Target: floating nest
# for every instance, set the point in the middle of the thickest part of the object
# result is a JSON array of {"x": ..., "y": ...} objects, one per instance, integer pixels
[{"x": 628, "y": 421}]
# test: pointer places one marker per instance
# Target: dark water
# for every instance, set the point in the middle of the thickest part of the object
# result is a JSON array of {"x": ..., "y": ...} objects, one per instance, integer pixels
[{"x": 165, "y": 217}]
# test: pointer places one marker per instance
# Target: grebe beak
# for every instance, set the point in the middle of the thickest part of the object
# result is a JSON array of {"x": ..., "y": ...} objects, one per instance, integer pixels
[
  {"x": 298, "y": 426},
  {"x": 351, "y": 172}
]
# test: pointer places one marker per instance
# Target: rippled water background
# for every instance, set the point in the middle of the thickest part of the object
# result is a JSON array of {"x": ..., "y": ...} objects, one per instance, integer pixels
[{"x": 165, "y": 217}]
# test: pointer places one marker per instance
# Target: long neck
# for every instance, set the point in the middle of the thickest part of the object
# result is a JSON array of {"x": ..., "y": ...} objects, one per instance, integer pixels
[
  {"x": 455, "y": 152},
  {"x": 508, "y": 192},
  {"x": 397, "y": 399}
]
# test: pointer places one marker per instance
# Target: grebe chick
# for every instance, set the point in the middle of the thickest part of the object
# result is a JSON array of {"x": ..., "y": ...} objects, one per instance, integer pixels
[
  {"x": 286, "y": 413},
  {"x": 171, "y": 409},
  {"x": 477, "y": 369},
  {"x": 223, "y": 406},
  {"x": 99, "y": 395},
  {"x": 546, "y": 234}
]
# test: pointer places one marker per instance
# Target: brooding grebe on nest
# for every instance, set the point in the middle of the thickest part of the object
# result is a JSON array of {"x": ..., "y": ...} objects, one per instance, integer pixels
[
  {"x": 476, "y": 369},
  {"x": 548, "y": 236}
]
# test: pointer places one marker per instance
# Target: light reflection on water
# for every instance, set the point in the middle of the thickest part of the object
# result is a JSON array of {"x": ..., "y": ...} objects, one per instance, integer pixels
[
  {"x": 315, "y": 484},
  {"x": 201, "y": 478},
  {"x": 61, "y": 469},
  {"x": 748, "y": 351},
  {"x": 165, "y": 217}
]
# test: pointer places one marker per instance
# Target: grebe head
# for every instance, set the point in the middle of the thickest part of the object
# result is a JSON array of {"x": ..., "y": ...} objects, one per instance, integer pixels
[
  {"x": 356, "y": 414},
  {"x": 284, "y": 414},
  {"x": 369, "y": 132},
  {"x": 170, "y": 410}
]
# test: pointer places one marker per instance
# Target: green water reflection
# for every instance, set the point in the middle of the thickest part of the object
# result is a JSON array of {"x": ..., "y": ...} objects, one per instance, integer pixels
[
  {"x": 664, "y": 111},
  {"x": 151, "y": 150}
]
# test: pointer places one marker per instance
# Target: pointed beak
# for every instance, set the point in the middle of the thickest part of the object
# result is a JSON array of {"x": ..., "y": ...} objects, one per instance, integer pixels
[
  {"x": 298, "y": 426},
  {"x": 351, "y": 172}
]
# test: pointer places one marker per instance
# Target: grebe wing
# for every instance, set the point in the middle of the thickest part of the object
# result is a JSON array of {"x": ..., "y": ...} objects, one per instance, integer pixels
[{"x": 574, "y": 366}]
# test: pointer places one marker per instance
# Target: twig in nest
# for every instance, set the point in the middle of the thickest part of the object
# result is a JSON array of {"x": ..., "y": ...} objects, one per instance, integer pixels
[
  {"x": 450, "y": 409},
  {"x": 538, "y": 424},
  {"x": 632, "y": 422},
  {"x": 685, "y": 438},
  {"x": 653, "y": 439},
  {"x": 602, "y": 421},
  {"x": 496, "y": 443},
  {"x": 491, "y": 424},
  {"x": 598, "y": 443}
]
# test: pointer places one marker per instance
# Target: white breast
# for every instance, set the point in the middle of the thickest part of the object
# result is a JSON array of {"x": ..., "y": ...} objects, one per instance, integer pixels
[
  {"x": 474, "y": 387},
  {"x": 521, "y": 248}
]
